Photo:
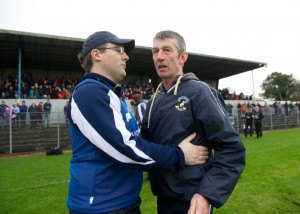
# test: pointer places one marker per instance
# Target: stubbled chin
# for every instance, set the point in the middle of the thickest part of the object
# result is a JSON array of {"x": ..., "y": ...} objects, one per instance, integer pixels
[
  {"x": 124, "y": 74},
  {"x": 162, "y": 70}
]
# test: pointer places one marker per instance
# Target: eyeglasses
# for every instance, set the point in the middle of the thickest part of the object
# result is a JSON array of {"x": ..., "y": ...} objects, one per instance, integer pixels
[{"x": 119, "y": 49}]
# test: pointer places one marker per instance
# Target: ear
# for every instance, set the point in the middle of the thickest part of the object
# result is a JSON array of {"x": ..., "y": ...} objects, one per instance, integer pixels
[
  {"x": 183, "y": 57},
  {"x": 96, "y": 55}
]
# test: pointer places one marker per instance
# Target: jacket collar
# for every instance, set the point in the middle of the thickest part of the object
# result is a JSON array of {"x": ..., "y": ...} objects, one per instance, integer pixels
[{"x": 115, "y": 87}]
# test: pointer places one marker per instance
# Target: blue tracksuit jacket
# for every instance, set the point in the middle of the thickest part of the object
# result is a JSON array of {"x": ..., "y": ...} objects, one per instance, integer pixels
[{"x": 108, "y": 155}]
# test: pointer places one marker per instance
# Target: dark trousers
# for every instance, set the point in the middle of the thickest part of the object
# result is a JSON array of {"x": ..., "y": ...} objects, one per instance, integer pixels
[
  {"x": 23, "y": 118},
  {"x": 133, "y": 209},
  {"x": 248, "y": 126},
  {"x": 258, "y": 129},
  {"x": 173, "y": 206}
]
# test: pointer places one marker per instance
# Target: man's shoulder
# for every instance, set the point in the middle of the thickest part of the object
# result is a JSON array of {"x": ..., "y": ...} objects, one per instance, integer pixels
[
  {"x": 142, "y": 104},
  {"x": 197, "y": 84},
  {"x": 90, "y": 88}
]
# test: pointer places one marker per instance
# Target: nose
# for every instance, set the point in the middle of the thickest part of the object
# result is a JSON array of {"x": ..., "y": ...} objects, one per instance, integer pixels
[
  {"x": 125, "y": 56},
  {"x": 160, "y": 55}
]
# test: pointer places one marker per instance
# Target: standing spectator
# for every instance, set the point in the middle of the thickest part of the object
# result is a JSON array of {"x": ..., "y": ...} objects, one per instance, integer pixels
[
  {"x": 292, "y": 107},
  {"x": 248, "y": 127},
  {"x": 229, "y": 108},
  {"x": 258, "y": 116},
  {"x": 244, "y": 108},
  {"x": 286, "y": 108},
  {"x": 275, "y": 107},
  {"x": 225, "y": 93},
  {"x": 23, "y": 113},
  {"x": 241, "y": 96},
  {"x": 65, "y": 111},
  {"x": 239, "y": 106},
  {"x": 6, "y": 116},
  {"x": 140, "y": 108},
  {"x": 47, "y": 109},
  {"x": 33, "y": 113},
  {"x": 298, "y": 105},
  {"x": 40, "y": 113},
  {"x": 3, "y": 107},
  {"x": 15, "y": 114},
  {"x": 279, "y": 106},
  {"x": 234, "y": 96}
]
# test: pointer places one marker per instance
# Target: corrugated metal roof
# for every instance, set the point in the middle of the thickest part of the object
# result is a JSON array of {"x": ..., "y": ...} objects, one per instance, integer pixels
[{"x": 49, "y": 52}]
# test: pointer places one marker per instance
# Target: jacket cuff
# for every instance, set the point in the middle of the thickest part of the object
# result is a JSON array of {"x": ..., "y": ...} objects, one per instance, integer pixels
[{"x": 181, "y": 158}]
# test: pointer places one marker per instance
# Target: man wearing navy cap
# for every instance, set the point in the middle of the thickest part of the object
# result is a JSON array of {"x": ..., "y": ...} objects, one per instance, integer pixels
[{"x": 108, "y": 155}]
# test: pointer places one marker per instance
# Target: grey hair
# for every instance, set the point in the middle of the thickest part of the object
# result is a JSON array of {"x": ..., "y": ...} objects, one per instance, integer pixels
[{"x": 168, "y": 34}]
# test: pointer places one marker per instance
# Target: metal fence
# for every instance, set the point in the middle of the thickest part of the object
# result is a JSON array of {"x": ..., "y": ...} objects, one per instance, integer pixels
[
  {"x": 28, "y": 132},
  {"x": 273, "y": 119},
  {"x": 41, "y": 132}
]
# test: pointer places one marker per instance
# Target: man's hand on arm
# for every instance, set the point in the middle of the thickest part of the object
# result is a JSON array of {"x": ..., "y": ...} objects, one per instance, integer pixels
[
  {"x": 193, "y": 154},
  {"x": 199, "y": 205}
]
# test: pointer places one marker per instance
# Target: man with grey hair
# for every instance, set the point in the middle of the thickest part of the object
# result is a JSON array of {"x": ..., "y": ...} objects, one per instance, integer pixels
[{"x": 181, "y": 105}]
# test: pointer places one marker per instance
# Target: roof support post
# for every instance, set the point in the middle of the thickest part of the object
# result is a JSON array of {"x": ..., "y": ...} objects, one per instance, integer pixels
[
  {"x": 253, "y": 96},
  {"x": 20, "y": 72}
]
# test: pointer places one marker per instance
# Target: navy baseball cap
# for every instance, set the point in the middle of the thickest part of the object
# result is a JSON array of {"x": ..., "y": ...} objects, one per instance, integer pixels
[{"x": 102, "y": 37}]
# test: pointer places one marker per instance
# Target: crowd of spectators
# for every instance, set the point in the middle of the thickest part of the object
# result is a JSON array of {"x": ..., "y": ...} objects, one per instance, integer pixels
[
  {"x": 59, "y": 88},
  {"x": 48, "y": 88},
  {"x": 62, "y": 88},
  {"x": 56, "y": 88},
  {"x": 278, "y": 108},
  {"x": 38, "y": 114},
  {"x": 287, "y": 108},
  {"x": 233, "y": 96}
]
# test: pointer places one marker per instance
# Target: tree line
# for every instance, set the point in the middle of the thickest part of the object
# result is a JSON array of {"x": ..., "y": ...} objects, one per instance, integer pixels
[{"x": 280, "y": 86}]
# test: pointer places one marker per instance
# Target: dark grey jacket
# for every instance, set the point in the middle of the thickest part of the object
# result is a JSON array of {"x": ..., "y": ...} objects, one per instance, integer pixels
[{"x": 193, "y": 106}]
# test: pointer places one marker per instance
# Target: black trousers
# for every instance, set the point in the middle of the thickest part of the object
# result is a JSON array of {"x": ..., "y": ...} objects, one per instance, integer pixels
[
  {"x": 258, "y": 129},
  {"x": 133, "y": 209},
  {"x": 173, "y": 206},
  {"x": 248, "y": 126}
]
